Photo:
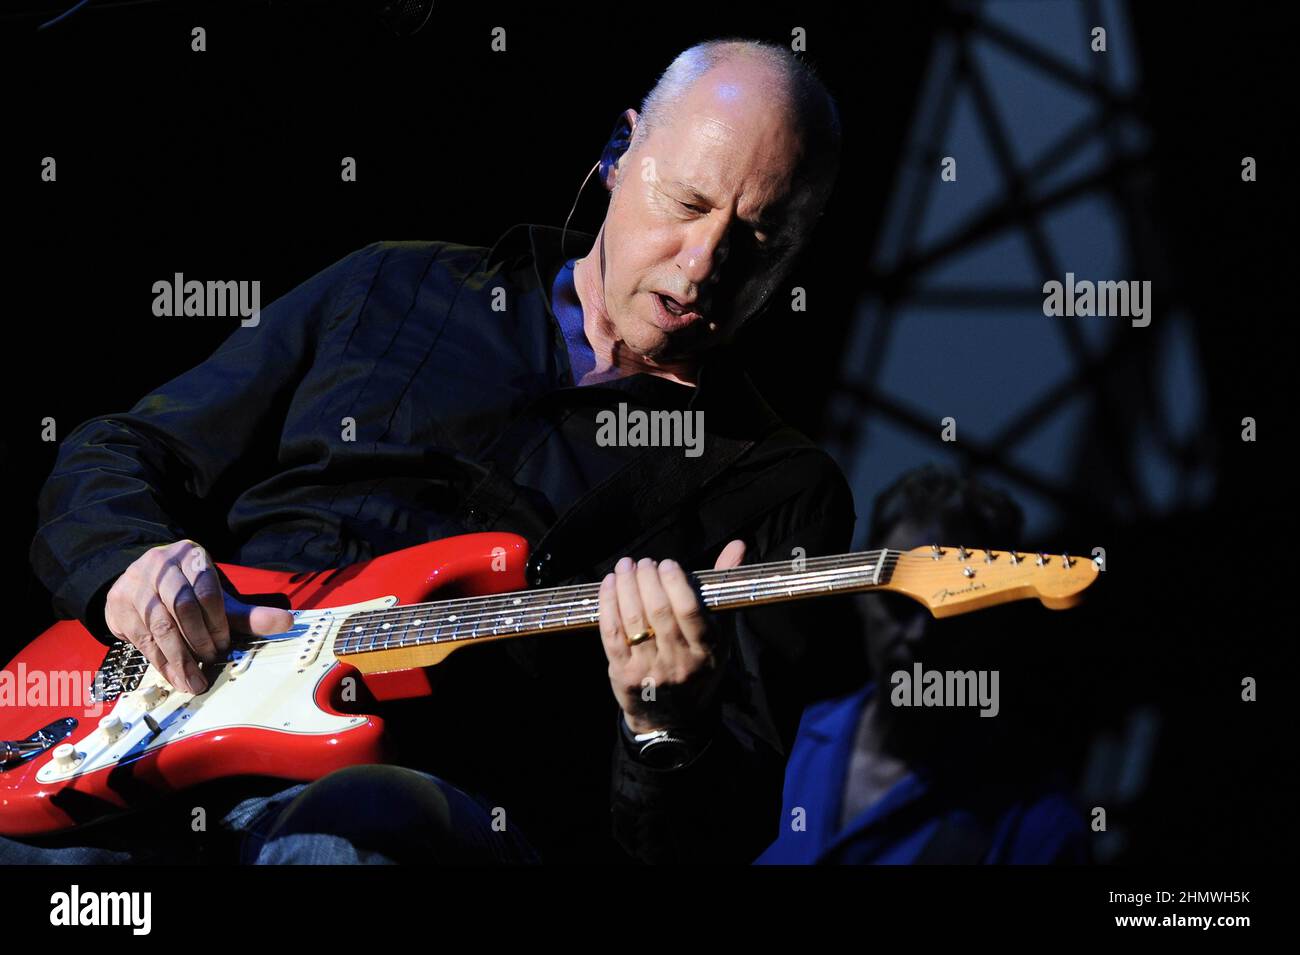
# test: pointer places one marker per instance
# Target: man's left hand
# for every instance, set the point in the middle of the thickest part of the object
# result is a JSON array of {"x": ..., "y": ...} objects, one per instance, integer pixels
[{"x": 665, "y": 681}]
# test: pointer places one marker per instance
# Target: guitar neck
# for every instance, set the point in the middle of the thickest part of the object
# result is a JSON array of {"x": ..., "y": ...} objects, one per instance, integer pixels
[
  {"x": 947, "y": 581},
  {"x": 553, "y": 609}
]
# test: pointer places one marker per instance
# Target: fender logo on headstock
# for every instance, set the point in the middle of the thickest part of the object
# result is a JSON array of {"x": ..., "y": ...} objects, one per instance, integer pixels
[{"x": 941, "y": 595}]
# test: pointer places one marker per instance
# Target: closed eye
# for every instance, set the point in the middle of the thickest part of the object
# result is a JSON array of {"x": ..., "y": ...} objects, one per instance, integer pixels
[{"x": 761, "y": 242}]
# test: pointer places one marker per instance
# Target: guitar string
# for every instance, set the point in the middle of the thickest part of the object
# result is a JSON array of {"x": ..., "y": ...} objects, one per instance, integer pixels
[
  {"x": 521, "y": 603},
  {"x": 534, "y": 619},
  {"x": 491, "y": 605},
  {"x": 556, "y": 595}
]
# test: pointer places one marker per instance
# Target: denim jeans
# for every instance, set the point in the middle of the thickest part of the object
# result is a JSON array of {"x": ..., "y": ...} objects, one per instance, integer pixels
[{"x": 375, "y": 814}]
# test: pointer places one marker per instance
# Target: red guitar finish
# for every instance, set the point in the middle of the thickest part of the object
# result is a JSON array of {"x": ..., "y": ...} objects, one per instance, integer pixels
[
  {"x": 285, "y": 705},
  {"x": 299, "y": 726}
]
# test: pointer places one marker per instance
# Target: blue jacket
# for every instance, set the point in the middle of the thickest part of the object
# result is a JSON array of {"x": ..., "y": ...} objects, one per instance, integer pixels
[{"x": 979, "y": 823}]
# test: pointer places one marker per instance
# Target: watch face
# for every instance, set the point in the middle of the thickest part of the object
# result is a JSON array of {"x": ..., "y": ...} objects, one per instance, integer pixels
[{"x": 666, "y": 752}]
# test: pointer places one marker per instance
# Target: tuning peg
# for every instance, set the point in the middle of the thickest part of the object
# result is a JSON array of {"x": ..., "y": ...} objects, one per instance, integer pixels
[
  {"x": 962, "y": 553},
  {"x": 988, "y": 556},
  {"x": 1067, "y": 561},
  {"x": 1042, "y": 559},
  {"x": 1014, "y": 555},
  {"x": 935, "y": 552}
]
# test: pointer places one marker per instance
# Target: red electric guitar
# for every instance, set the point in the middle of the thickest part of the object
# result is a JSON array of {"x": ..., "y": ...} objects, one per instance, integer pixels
[{"x": 86, "y": 730}]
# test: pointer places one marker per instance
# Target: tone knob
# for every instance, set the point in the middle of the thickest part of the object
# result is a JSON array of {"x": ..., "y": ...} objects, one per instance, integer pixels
[
  {"x": 66, "y": 756},
  {"x": 112, "y": 727},
  {"x": 151, "y": 696}
]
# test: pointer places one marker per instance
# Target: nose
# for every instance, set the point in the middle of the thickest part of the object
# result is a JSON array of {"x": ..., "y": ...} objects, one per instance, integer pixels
[{"x": 705, "y": 250}]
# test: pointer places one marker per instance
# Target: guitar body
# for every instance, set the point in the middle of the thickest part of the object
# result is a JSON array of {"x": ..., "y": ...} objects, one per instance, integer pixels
[{"x": 283, "y": 706}]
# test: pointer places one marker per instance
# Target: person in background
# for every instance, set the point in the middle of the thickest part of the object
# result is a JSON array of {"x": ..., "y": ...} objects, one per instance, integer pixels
[{"x": 870, "y": 782}]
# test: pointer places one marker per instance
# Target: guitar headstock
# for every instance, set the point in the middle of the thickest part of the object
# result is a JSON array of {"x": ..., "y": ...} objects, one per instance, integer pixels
[{"x": 953, "y": 580}]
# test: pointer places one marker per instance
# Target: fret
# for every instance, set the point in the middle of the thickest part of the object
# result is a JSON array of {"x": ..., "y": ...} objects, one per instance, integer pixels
[{"x": 520, "y": 613}]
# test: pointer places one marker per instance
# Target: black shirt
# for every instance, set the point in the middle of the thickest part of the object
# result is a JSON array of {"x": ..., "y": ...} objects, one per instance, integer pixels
[{"x": 356, "y": 418}]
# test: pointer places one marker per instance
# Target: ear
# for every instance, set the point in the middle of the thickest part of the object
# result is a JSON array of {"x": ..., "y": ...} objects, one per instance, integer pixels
[{"x": 616, "y": 147}]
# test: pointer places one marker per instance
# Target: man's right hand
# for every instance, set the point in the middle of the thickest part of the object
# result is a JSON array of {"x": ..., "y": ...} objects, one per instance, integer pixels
[{"x": 170, "y": 605}]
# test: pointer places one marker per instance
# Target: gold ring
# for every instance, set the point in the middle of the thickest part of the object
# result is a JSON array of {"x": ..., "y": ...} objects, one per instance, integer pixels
[{"x": 642, "y": 637}]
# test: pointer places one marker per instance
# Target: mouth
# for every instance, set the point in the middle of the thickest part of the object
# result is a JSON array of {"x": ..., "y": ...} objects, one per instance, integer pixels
[{"x": 671, "y": 315}]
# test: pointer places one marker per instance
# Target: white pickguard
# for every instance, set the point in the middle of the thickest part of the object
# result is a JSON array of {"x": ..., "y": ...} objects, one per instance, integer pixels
[{"x": 271, "y": 686}]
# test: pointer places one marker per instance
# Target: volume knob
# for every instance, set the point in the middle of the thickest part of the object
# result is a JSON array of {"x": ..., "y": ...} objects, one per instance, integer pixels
[
  {"x": 66, "y": 756},
  {"x": 151, "y": 696},
  {"x": 112, "y": 727}
]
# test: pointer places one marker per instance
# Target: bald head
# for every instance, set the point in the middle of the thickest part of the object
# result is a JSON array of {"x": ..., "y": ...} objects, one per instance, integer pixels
[{"x": 790, "y": 86}]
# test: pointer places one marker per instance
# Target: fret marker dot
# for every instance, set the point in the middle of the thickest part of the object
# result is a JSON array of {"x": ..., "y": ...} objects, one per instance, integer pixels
[
  {"x": 418, "y": 623},
  {"x": 452, "y": 617},
  {"x": 386, "y": 626}
]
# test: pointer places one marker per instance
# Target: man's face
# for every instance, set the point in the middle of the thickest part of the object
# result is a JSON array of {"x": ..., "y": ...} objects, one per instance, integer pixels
[{"x": 705, "y": 216}]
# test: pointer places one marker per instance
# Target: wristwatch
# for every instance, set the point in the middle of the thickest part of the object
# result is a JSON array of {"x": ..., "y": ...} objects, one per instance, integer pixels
[{"x": 663, "y": 749}]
